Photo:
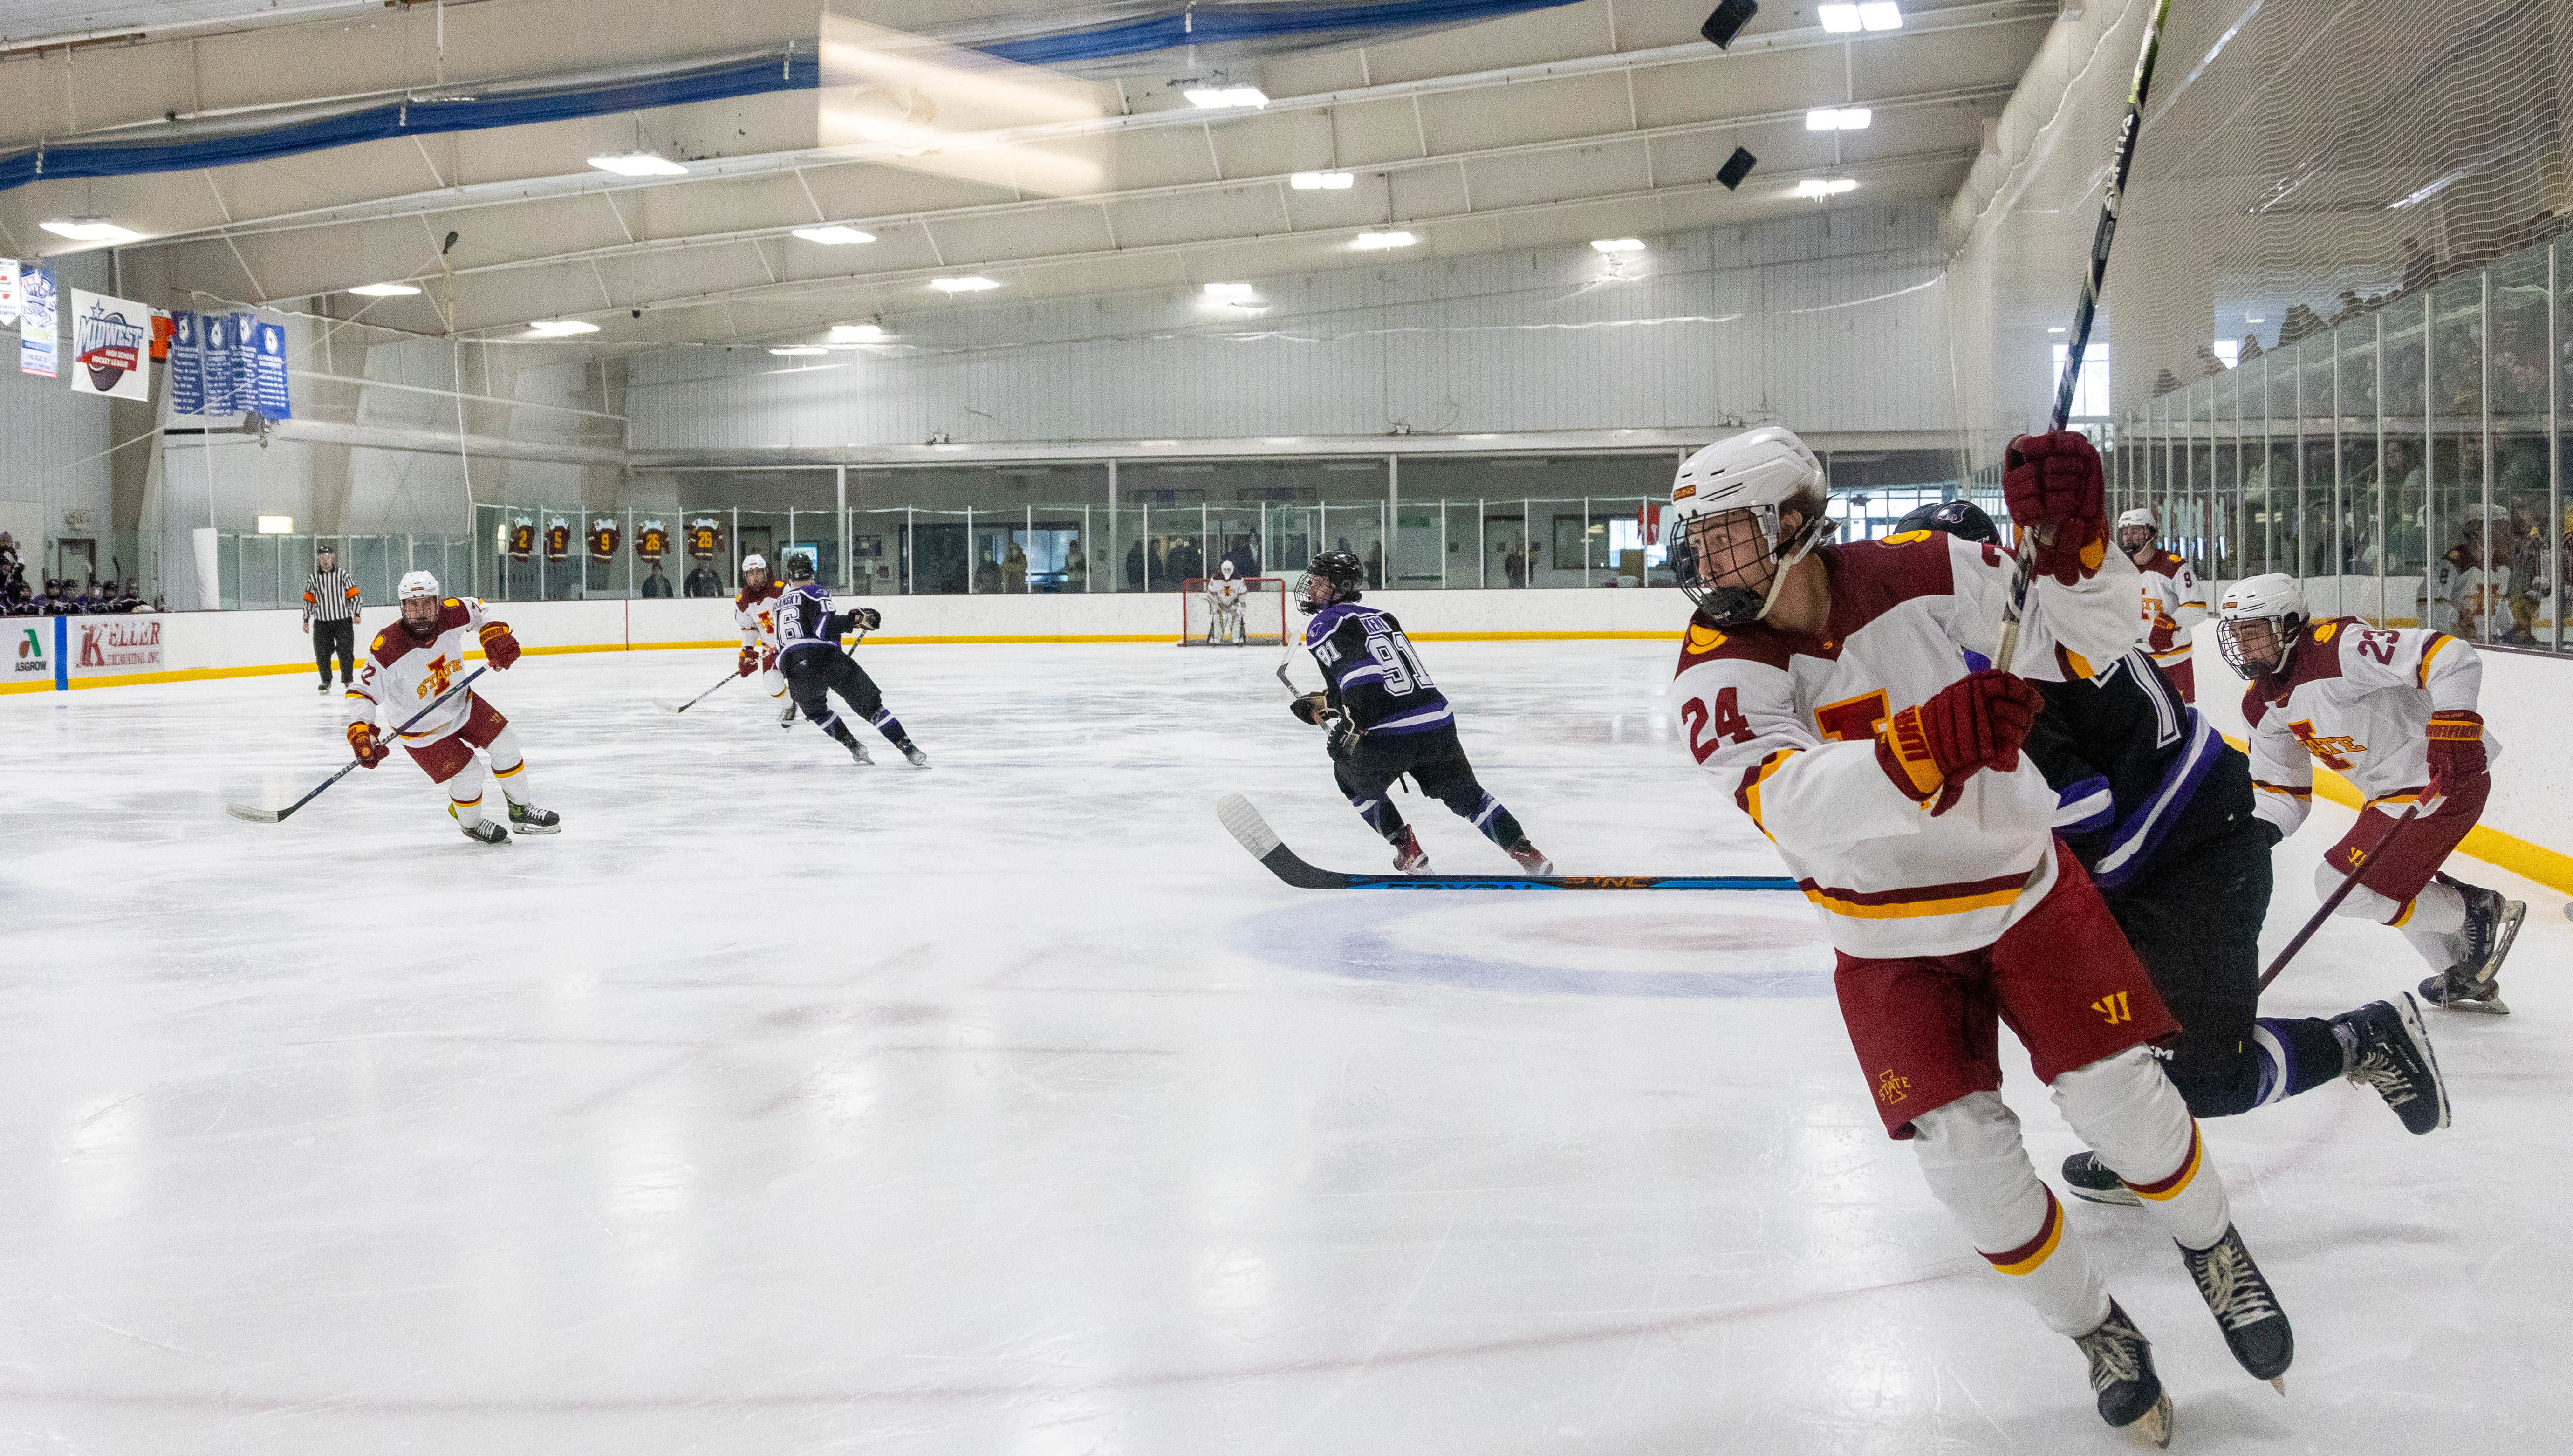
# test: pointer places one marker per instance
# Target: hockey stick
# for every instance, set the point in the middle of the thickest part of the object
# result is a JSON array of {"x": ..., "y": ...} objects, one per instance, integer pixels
[
  {"x": 2085, "y": 311},
  {"x": 701, "y": 697},
  {"x": 1243, "y": 823},
  {"x": 2332, "y": 900},
  {"x": 277, "y": 816}
]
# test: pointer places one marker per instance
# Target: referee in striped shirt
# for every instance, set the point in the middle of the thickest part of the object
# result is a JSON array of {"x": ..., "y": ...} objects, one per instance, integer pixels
[{"x": 331, "y": 611}]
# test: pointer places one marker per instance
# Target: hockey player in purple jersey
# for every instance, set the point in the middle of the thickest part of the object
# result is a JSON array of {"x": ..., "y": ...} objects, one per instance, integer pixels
[
  {"x": 1386, "y": 719},
  {"x": 809, "y": 656}
]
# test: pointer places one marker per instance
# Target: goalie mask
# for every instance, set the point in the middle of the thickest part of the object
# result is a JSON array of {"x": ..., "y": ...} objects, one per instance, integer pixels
[
  {"x": 1729, "y": 549},
  {"x": 2258, "y": 624}
]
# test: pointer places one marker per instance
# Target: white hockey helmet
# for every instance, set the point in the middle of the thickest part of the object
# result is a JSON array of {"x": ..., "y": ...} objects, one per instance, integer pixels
[
  {"x": 2140, "y": 516},
  {"x": 2277, "y": 605},
  {"x": 417, "y": 583},
  {"x": 1759, "y": 471},
  {"x": 754, "y": 562}
]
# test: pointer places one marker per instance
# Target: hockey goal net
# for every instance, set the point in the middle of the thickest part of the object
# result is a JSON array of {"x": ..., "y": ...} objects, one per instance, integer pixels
[{"x": 1261, "y": 618}]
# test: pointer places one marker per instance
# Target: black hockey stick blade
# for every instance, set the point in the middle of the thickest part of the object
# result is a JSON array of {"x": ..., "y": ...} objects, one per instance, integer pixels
[
  {"x": 1245, "y": 824},
  {"x": 279, "y": 816}
]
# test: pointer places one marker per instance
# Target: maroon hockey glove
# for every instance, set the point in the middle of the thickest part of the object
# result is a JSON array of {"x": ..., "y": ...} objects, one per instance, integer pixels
[
  {"x": 1309, "y": 707},
  {"x": 749, "y": 661},
  {"x": 768, "y": 661},
  {"x": 1979, "y": 722},
  {"x": 2052, "y": 483},
  {"x": 2456, "y": 751},
  {"x": 498, "y": 645},
  {"x": 361, "y": 742}
]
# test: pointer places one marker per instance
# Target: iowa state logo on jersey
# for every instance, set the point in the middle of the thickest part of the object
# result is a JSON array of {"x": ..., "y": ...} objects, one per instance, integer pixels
[
  {"x": 603, "y": 537},
  {"x": 704, "y": 539},
  {"x": 652, "y": 540},
  {"x": 557, "y": 540},
  {"x": 521, "y": 538}
]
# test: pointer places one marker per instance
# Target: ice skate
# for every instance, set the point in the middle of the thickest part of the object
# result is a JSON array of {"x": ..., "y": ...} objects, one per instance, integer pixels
[
  {"x": 1408, "y": 857},
  {"x": 2447, "y": 991},
  {"x": 2389, "y": 1052},
  {"x": 913, "y": 754},
  {"x": 482, "y": 831},
  {"x": 2473, "y": 983},
  {"x": 2131, "y": 1397},
  {"x": 2090, "y": 1180},
  {"x": 1530, "y": 858},
  {"x": 2244, "y": 1306},
  {"x": 786, "y": 716},
  {"x": 324, "y": 687},
  {"x": 527, "y": 820},
  {"x": 857, "y": 749}
]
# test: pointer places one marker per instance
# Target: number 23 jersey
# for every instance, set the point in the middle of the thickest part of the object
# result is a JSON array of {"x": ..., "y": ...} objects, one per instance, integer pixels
[
  {"x": 1375, "y": 676},
  {"x": 2357, "y": 700},
  {"x": 1788, "y": 724}
]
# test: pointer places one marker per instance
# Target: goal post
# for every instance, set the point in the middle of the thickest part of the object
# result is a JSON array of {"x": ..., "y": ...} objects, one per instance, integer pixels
[{"x": 1262, "y": 616}]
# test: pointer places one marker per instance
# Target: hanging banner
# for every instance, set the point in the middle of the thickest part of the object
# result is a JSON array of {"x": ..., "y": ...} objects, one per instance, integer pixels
[
  {"x": 603, "y": 537},
  {"x": 704, "y": 538},
  {"x": 1648, "y": 522},
  {"x": 36, "y": 325},
  {"x": 271, "y": 394},
  {"x": 110, "y": 339},
  {"x": 160, "y": 330},
  {"x": 244, "y": 338},
  {"x": 521, "y": 536},
  {"x": 214, "y": 349},
  {"x": 187, "y": 365},
  {"x": 652, "y": 540},
  {"x": 8, "y": 293},
  {"x": 557, "y": 540}
]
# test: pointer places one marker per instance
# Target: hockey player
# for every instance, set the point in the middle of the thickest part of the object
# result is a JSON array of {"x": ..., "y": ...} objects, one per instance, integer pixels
[
  {"x": 2158, "y": 808},
  {"x": 406, "y": 667},
  {"x": 809, "y": 657},
  {"x": 1386, "y": 719},
  {"x": 1226, "y": 596},
  {"x": 754, "y": 611},
  {"x": 2174, "y": 602},
  {"x": 1826, "y": 688},
  {"x": 2394, "y": 710}
]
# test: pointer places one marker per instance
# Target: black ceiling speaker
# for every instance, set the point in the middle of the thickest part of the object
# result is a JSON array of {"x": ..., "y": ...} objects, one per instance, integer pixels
[
  {"x": 1728, "y": 20},
  {"x": 1735, "y": 167}
]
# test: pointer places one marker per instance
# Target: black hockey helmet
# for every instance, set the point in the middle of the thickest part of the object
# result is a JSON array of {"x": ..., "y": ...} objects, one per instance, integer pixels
[
  {"x": 799, "y": 567},
  {"x": 1341, "y": 571},
  {"x": 1955, "y": 517}
]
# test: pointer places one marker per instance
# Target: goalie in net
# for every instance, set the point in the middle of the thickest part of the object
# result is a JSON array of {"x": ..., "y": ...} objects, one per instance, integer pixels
[{"x": 1226, "y": 610}]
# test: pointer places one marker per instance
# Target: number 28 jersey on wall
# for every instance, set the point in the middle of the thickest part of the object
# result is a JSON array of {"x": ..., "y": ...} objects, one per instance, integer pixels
[
  {"x": 1787, "y": 723},
  {"x": 401, "y": 676},
  {"x": 1374, "y": 675}
]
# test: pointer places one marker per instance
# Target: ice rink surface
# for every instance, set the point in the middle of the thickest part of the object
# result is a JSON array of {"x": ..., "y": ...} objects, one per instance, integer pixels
[{"x": 780, "y": 1106}]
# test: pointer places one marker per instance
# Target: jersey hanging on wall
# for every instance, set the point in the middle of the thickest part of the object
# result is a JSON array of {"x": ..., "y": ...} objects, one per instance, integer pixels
[
  {"x": 557, "y": 540},
  {"x": 603, "y": 537},
  {"x": 521, "y": 537},
  {"x": 652, "y": 540},
  {"x": 704, "y": 536}
]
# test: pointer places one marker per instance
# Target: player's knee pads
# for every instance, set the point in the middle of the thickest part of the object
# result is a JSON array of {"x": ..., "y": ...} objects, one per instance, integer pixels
[{"x": 2129, "y": 1112}]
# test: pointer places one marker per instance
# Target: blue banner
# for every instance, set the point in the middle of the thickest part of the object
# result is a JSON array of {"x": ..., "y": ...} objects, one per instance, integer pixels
[
  {"x": 271, "y": 392},
  {"x": 214, "y": 332},
  {"x": 245, "y": 341},
  {"x": 186, "y": 365}
]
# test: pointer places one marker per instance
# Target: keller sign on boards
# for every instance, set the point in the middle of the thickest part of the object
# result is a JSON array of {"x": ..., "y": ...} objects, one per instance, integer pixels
[{"x": 117, "y": 644}]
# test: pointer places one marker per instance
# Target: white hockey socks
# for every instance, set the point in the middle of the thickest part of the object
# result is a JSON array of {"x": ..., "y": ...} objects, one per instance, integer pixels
[
  {"x": 1972, "y": 1157},
  {"x": 2439, "y": 909},
  {"x": 2134, "y": 1119},
  {"x": 465, "y": 792},
  {"x": 510, "y": 766}
]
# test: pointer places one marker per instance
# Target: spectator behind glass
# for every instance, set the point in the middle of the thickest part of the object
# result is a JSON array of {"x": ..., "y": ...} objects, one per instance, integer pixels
[
  {"x": 702, "y": 581},
  {"x": 656, "y": 584}
]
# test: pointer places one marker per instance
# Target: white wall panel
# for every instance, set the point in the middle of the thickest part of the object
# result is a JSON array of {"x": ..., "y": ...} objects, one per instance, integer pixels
[{"x": 1806, "y": 322}]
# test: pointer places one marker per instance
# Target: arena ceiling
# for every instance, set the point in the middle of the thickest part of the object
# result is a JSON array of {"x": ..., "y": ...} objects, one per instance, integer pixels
[{"x": 1558, "y": 124}]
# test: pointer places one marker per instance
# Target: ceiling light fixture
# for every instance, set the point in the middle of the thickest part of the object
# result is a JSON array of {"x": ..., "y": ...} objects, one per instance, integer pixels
[
  {"x": 1374, "y": 241},
  {"x": 834, "y": 235},
  {"x": 1228, "y": 293},
  {"x": 1839, "y": 119},
  {"x": 560, "y": 327},
  {"x": 638, "y": 164},
  {"x": 1879, "y": 15},
  {"x": 799, "y": 350},
  {"x": 1617, "y": 244},
  {"x": 970, "y": 283},
  {"x": 384, "y": 291},
  {"x": 1220, "y": 98},
  {"x": 1839, "y": 19},
  {"x": 89, "y": 230},
  {"x": 856, "y": 332},
  {"x": 1323, "y": 180},
  {"x": 1819, "y": 188}
]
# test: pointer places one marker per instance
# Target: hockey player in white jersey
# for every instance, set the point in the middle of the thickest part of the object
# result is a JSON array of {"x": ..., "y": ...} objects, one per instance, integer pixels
[
  {"x": 2173, "y": 601},
  {"x": 412, "y": 661},
  {"x": 1826, "y": 689},
  {"x": 754, "y": 611},
  {"x": 1226, "y": 597},
  {"x": 2392, "y": 709}
]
